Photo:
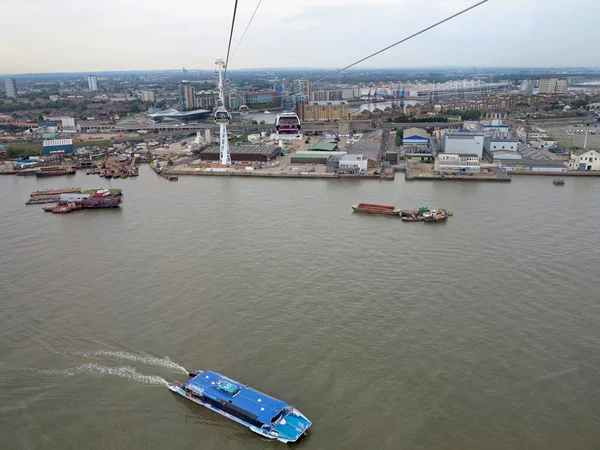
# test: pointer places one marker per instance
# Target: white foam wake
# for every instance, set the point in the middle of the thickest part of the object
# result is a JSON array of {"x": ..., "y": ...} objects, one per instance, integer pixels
[
  {"x": 99, "y": 370},
  {"x": 144, "y": 359}
]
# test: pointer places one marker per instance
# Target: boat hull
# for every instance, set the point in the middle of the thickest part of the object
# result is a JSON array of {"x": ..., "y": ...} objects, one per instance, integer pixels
[
  {"x": 392, "y": 212},
  {"x": 178, "y": 389}
]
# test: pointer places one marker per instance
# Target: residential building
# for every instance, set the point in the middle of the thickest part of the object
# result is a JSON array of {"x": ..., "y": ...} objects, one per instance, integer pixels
[
  {"x": 326, "y": 96},
  {"x": 464, "y": 143},
  {"x": 585, "y": 160},
  {"x": 415, "y": 136},
  {"x": 354, "y": 164},
  {"x": 323, "y": 111},
  {"x": 562, "y": 86},
  {"x": 554, "y": 86},
  {"x": 148, "y": 96},
  {"x": 206, "y": 99},
  {"x": 453, "y": 162},
  {"x": 545, "y": 86},
  {"x": 350, "y": 93},
  {"x": 234, "y": 101},
  {"x": 11, "y": 88},
  {"x": 254, "y": 98},
  {"x": 57, "y": 146},
  {"x": 301, "y": 87},
  {"x": 187, "y": 96},
  {"x": 92, "y": 83}
]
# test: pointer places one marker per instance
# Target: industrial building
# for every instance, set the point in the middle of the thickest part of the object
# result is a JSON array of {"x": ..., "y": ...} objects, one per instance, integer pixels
[
  {"x": 323, "y": 111},
  {"x": 585, "y": 160},
  {"x": 253, "y": 153},
  {"x": 415, "y": 136},
  {"x": 371, "y": 145},
  {"x": 464, "y": 143},
  {"x": 446, "y": 162},
  {"x": 533, "y": 165},
  {"x": 324, "y": 147},
  {"x": 92, "y": 83},
  {"x": 353, "y": 164},
  {"x": 350, "y": 93},
  {"x": 498, "y": 149},
  {"x": 320, "y": 157},
  {"x": 11, "y": 88},
  {"x": 57, "y": 146}
]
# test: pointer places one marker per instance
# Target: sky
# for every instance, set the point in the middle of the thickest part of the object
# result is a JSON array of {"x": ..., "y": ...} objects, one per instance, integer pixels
[{"x": 101, "y": 35}]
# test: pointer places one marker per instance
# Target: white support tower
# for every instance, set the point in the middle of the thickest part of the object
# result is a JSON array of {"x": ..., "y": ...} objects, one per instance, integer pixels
[{"x": 223, "y": 138}]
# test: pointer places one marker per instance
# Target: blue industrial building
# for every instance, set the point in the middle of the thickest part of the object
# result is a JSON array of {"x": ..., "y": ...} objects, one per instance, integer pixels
[{"x": 57, "y": 146}]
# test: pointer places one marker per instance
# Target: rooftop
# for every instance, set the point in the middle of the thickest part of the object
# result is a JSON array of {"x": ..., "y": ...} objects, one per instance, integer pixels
[
  {"x": 243, "y": 149},
  {"x": 219, "y": 387}
]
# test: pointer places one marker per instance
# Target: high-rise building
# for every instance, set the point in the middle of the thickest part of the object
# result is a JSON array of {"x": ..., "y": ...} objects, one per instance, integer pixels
[
  {"x": 562, "y": 86},
  {"x": 11, "y": 88},
  {"x": 148, "y": 96},
  {"x": 187, "y": 96},
  {"x": 206, "y": 99},
  {"x": 92, "y": 83},
  {"x": 301, "y": 88},
  {"x": 554, "y": 85},
  {"x": 326, "y": 96},
  {"x": 253, "y": 98}
]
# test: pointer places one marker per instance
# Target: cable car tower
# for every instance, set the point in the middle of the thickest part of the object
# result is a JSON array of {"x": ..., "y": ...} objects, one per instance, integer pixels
[{"x": 222, "y": 116}]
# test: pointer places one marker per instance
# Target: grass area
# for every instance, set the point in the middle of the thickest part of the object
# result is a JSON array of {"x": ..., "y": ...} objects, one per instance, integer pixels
[{"x": 105, "y": 143}]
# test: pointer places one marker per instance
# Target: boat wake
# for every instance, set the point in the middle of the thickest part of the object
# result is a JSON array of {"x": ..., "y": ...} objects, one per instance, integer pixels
[
  {"x": 144, "y": 359},
  {"x": 101, "y": 371}
]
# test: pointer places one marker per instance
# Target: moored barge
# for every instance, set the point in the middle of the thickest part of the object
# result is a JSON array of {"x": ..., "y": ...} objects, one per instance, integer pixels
[
  {"x": 55, "y": 172},
  {"x": 373, "y": 208},
  {"x": 69, "y": 190}
]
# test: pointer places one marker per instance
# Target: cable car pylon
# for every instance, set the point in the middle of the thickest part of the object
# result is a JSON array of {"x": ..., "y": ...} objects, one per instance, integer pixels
[{"x": 222, "y": 117}]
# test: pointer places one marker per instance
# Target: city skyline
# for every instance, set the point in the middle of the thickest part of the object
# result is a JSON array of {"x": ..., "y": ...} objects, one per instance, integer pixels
[{"x": 330, "y": 33}]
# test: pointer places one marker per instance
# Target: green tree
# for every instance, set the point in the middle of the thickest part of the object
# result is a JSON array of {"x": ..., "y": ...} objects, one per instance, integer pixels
[
  {"x": 262, "y": 122},
  {"x": 399, "y": 137}
]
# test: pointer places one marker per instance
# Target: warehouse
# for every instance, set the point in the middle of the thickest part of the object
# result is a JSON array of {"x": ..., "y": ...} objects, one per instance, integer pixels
[
  {"x": 322, "y": 146},
  {"x": 254, "y": 153},
  {"x": 57, "y": 146},
  {"x": 319, "y": 157}
]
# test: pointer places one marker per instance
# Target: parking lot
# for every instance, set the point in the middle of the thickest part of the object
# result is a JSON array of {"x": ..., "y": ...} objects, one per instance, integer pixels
[{"x": 568, "y": 140}]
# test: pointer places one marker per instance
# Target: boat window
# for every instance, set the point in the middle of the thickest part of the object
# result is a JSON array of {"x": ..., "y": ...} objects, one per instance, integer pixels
[{"x": 277, "y": 417}]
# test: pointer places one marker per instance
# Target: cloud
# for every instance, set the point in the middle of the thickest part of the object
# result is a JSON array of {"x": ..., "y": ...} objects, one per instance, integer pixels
[{"x": 85, "y": 35}]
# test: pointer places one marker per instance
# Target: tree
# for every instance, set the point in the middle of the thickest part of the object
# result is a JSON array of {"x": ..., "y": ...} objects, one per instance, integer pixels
[
  {"x": 262, "y": 122},
  {"x": 399, "y": 137},
  {"x": 254, "y": 122}
]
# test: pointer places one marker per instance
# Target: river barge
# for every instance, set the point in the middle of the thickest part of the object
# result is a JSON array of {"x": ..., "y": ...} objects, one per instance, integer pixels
[
  {"x": 373, "y": 208},
  {"x": 558, "y": 182},
  {"x": 91, "y": 199},
  {"x": 40, "y": 199},
  {"x": 55, "y": 172},
  {"x": 262, "y": 414},
  {"x": 69, "y": 190}
]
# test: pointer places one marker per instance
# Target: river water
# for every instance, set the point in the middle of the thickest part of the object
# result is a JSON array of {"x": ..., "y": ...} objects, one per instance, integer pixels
[{"x": 478, "y": 333}]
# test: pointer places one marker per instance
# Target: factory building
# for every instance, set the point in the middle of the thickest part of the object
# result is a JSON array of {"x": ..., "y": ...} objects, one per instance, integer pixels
[
  {"x": 353, "y": 164},
  {"x": 320, "y": 157},
  {"x": 447, "y": 162},
  {"x": 242, "y": 153},
  {"x": 57, "y": 146},
  {"x": 415, "y": 136},
  {"x": 585, "y": 160},
  {"x": 464, "y": 143}
]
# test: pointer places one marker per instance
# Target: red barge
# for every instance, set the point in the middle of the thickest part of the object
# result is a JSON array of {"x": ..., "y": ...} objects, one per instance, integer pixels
[{"x": 376, "y": 209}]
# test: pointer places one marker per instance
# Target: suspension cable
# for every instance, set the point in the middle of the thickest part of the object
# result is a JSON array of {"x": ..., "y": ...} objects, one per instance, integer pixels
[
  {"x": 247, "y": 26},
  {"x": 399, "y": 42},
  {"x": 231, "y": 36}
]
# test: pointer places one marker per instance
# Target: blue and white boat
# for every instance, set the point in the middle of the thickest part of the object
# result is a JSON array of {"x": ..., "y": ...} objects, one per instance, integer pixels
[{"x": 265, "y": 415}]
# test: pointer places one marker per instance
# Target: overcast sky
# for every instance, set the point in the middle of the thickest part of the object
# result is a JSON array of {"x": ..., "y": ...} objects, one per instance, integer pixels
[{"x": 99, "y": 35}]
